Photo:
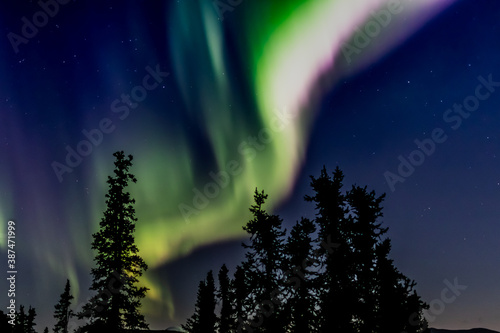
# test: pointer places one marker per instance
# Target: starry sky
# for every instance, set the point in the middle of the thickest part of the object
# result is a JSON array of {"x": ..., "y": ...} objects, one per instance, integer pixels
[{"x": 215, "y": 98}]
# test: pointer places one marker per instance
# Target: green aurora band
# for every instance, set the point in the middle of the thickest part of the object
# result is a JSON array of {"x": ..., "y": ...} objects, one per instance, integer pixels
[{"x": 284, "y": 56}]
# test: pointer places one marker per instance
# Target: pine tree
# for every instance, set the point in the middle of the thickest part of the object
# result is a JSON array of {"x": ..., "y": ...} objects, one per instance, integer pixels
[
  {"x": 386, "y": 298},
  {"x": 343, "y": 281},
  {"x": 25, "y": 322},
  {"x": 336, "y": 283},
  {"x": 204, "y": 318},
  {"x": 62, "y": 311},
  {"x": 208, "y": 318},
  {"x": 227, "y": 320},
  {"x": 264, "y": 261},
  {"x": 4, "y": 323},
  {"x": 242, "y": 301},
  {"x": 299, "y": 249},
  {"x": 365, "y": 210},
  {"x": 399, "y": 308},
  {"x": 360, "y": 289},
  {"x": 192, "y": 325},
  {"x": 118, "y": 265},
  {"x": 31, "y": 320},
  {"x": 20, "y": 322}
]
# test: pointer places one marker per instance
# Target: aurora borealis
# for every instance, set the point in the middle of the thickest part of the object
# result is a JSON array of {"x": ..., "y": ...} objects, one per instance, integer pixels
[{"x": 215, "y": 98}]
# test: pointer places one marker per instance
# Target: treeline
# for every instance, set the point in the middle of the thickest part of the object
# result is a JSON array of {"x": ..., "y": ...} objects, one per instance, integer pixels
[
  {"x": 20, "y": 322},
  {"x": 24, "y": 322},
  {"x": 329, "y": 274}
]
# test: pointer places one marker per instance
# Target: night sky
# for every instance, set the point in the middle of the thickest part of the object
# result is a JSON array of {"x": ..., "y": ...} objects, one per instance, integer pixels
[{"x": 213, "y": 103}]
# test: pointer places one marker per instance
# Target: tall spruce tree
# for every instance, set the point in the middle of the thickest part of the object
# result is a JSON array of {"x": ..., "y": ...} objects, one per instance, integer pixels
[
  {"x": 4, "y": 323},
  {"x": 265, "y": 263},
  {"x": 118, "y": 264},
  {"x": 242, "y": 301},
  {"x": 359, "y": 287},
  {"x": 227, "y": 321},
  {"x": 204, "y": 318},
  {"x": 399, "y": 308},
  {"x": 365, "y": 211},
  {"x": 30, "y": 320},
  {"x": 335, "y": 286},
  {"x": 208, "y": 318},
  {"x": 192, "y": 324},
  {"x": 62, "y": 311},
  {"x": 20, "y": 322},
  {"x": 25, "y": 322},
  {"x": 299, "y": 250}
]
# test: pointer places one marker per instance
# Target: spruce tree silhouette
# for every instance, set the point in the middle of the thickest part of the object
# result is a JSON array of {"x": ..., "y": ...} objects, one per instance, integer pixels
[
  {"x": 264, "y": 266},
  {"x": 364, "y": 212},
  {"x": 358, "y": 274},
  {"x": 62, "y": 311},
  {"x": 4, "y": 323},
  {"x": 21, "y": 321},
  {"x": 118, "y": 265},
  {"x": 25, "y": 322},
  {"x": 227, "y": 321},
  {"x": 398, "y": 305},
  {"x": 241, "y": 289},
  {"x": 192, "y": 325},
  {"x": 336, "y": 286},
  {"x": 302, "y": 302},
  {"x": 30, "y": 320},
  {"x": 204, "y": 318},
  {"x": 342, "y": 281}
]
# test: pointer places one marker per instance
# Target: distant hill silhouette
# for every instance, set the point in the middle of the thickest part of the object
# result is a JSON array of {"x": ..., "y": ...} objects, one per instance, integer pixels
[{"x": 473, "y": 330}]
